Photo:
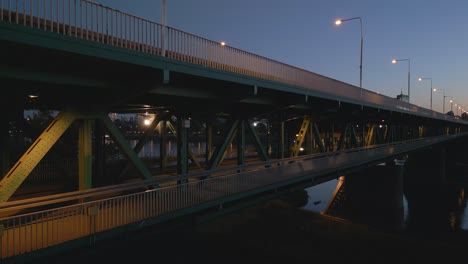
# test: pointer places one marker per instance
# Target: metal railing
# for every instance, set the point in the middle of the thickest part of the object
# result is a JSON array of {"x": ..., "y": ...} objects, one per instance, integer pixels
[
  {"x": 94, "y": 22},
  {"x": 86, "y": 20},
  {"x": 33, "y": 231}
]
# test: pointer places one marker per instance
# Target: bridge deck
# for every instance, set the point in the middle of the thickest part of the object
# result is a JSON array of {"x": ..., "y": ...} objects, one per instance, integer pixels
[{"x": 96, "y": 23}]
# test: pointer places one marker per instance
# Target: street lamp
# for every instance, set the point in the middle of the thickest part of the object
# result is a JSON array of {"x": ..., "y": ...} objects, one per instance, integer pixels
[
  {"x": 445, "y": 96},
  {"x": 420, "y": 79},
  {"x": 394, "y": 61},
  {"x": 338, "y": 22},
  {"x": 451, "y": 105},
  {"x": 443, "y": 103}
]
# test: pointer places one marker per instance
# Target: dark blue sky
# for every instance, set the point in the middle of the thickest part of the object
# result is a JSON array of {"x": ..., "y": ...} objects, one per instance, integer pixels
[{"x": 431, "y": 33}]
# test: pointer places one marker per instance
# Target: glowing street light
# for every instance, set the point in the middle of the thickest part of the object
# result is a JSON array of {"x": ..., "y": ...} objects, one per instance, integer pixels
[
  {"x": 394, "y": 61},
  {"x": 339, "y": 22},
  {"x": 443, "y": 103},
  {"x": 445, "y": 96}
]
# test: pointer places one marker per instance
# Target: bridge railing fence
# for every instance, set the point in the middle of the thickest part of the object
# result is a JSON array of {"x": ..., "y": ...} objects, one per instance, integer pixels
[
  {"x": 41, "y": 229},
  {"x": 94, "y": 22},
  {"x": 86, "y": 20}
]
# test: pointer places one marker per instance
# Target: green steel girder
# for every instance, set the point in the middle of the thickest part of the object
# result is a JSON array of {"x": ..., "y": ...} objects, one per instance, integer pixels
[
  {"x": 390, "y": 135},
  {"x": 189, "y": 152},
  {"x": 341, "y": 143},
  {"x": 317, "y": 137},
  {"x": 141, "y": 142},
  {"x": 241, "y": 143},
  {"x": 349, "y": 128},
  {"x": 260, "y": 149},
  {"x": 85, "y": 154},
  {"x": 209, "y": 142},
  {"x": 353, "y": 136},
  {"x": 331, "y": 142},
  {"x": 219, "y": 152},
  {"x": 124, "y": 146},
  {"x": 23, "y": 167}
]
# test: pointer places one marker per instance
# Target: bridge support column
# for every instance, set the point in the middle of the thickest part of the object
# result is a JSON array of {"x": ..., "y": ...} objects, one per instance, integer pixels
[
  {"x": 275, "y": 137},
  {"x": 85, "y": 154},
  {"x": 182, "y": 145},
  {"x": 432, "y": 202},
  {"x": 162, "y": 146},
  {"x": 209, "y": 141},
  {"x": 241, "y": 143},
  {"x": 99, "y": 150},
  {"x": 427, "y": 166}
]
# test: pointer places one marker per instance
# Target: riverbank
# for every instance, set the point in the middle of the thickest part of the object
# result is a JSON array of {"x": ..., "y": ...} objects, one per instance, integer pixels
[{"x": 274, "y": 232}]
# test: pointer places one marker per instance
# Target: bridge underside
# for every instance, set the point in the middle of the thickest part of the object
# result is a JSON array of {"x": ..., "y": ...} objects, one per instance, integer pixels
[{"x": 88, "y": 81}]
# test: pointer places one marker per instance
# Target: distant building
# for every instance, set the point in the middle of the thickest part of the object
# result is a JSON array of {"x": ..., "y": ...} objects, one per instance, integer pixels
[{"x": 403, "y": 97}]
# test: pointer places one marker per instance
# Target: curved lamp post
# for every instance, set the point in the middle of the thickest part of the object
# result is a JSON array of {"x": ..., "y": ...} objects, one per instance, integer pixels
[
  {"x": 420, "y": 79},
  {"x": 394, "y": 61},
  {"x": 451, "y": 101},
  {"x": 339, "y": 22},
  {"x": 443, "y": 102}
]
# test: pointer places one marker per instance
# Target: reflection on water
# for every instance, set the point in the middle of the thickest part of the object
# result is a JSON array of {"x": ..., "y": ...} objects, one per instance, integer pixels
[
  {"x": 427, "y": 209},
  {"x": 320, "y": 195}
]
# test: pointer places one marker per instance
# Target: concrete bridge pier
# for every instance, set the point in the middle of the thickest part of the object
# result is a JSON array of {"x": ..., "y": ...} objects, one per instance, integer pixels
[
  {"x": 428, "y": 166},
  {"x": 373, "y": 195},
  {"x": 457, "y": 153},
  {"x": 433, "y": 202}
]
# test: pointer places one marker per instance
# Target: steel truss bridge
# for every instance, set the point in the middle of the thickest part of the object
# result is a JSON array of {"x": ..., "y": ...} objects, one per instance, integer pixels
[{"x": 289, "y": 128}]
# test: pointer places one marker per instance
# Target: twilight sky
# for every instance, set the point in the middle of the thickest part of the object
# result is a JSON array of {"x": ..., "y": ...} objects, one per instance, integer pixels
[{"x": 431, "y": 33}]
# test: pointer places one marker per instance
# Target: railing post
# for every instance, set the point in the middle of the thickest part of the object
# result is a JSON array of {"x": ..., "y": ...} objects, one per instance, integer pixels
[
  {"x": 2, "y": 230},
  {"x": 163, "y": 31},
  {"x": 92, "y": 212}
]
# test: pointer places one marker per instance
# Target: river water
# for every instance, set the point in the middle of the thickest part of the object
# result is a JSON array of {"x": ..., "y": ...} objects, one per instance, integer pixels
[{"x": 431, "y": 207}]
